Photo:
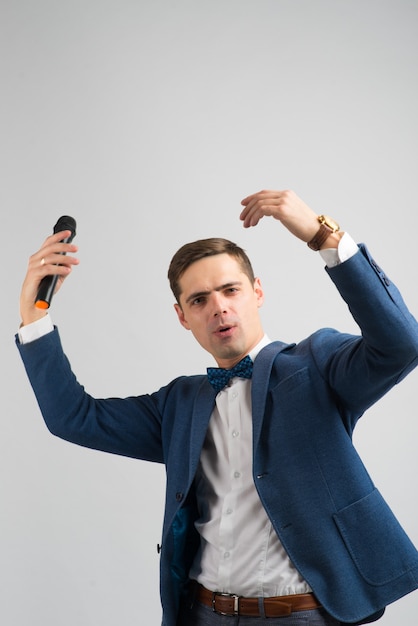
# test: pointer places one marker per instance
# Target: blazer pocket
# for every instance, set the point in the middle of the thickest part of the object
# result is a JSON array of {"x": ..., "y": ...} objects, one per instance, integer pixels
[
  {"x": 292, "y": 382},
  {"x": 377, "y": 543}
]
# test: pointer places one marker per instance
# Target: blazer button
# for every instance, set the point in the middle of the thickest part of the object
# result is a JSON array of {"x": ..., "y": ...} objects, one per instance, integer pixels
[{"x": 179, "y": 496}]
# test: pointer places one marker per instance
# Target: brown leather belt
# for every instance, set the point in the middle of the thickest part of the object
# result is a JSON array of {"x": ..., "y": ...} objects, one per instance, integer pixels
[{"x": 230, "y": 604}]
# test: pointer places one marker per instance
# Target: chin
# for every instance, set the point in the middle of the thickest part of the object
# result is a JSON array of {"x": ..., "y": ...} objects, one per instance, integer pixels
[{"x": 230, "y": 352}]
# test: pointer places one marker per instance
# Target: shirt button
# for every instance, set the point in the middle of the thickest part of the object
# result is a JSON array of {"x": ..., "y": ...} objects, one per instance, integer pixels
[
  {"x": 237, "y": 474},
  {"x": 227, "y": 555},
  {"x": 228, "y": 511},
  {"x": 235, "y": 433}
]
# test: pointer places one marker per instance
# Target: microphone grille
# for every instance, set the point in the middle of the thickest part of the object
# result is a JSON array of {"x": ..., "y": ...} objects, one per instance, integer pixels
[{"x": 65, "y": 222}]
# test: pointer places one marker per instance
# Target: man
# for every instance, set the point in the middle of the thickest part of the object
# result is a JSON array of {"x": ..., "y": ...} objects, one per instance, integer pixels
[{"x": 270, "y": 514}]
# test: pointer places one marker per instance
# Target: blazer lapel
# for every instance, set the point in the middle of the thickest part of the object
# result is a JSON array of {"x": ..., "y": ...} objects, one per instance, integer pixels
[
  {"x": 202, "y": 410},
  {"x": 260, "y": 383}
]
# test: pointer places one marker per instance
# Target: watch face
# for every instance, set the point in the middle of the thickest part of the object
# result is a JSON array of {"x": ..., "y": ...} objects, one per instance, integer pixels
[{"x": 328, "y": 221}]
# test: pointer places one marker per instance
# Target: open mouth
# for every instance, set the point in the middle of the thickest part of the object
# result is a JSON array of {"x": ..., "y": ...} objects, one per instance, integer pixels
[{"x": 225, "y": 331}]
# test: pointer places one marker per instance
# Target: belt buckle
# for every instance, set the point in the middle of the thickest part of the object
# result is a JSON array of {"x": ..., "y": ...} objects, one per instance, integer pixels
[{"x": 234, "y": 597}]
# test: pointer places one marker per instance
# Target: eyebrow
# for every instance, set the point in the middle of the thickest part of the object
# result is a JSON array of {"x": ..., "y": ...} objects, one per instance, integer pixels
[{"x": 199, "y": 294}]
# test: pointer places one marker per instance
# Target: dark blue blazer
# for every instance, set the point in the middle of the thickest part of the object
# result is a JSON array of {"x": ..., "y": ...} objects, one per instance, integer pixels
[{"x": 306, "y": 400}]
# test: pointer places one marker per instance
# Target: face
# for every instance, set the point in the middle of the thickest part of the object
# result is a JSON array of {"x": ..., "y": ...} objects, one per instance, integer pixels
[{"x": 220, "y": 305}]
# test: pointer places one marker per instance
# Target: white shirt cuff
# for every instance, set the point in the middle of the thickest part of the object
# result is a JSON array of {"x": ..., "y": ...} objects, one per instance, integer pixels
[
  {"x": 36, "y": 330},
  {"x": 347, "y": 248}
]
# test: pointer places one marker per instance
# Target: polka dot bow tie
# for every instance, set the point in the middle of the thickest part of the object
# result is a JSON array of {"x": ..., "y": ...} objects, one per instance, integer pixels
[{"x": 219, "y": 377}]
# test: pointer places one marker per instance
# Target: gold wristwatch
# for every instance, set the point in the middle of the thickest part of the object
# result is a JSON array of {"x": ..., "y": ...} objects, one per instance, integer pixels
[{"x": 326, "y": 228}]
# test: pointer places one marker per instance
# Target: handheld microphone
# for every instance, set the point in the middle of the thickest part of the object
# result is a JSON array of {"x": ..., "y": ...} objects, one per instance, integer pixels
[{"x": 48, "y": 283}]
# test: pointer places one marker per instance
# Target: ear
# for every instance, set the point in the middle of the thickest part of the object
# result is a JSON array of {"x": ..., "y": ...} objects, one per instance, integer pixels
[
  {"x": 258, "y": 291},
  {"x": 181, "y": 317}
]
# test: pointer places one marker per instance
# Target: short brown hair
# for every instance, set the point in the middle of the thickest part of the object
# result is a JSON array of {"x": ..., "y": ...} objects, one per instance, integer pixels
[{"x": 196, "y": 250}]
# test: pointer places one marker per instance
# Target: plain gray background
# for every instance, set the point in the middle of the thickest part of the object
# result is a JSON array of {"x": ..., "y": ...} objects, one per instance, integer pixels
[{"x": 149, "y": 121}]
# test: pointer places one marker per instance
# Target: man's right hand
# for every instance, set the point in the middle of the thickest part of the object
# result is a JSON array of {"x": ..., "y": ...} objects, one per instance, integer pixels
[{"x": 47, "y": 261}]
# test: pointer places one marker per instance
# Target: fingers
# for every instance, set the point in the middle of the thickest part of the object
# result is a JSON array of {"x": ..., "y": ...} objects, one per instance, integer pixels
[
  {"x": 52, "y": 257},
  {"x": 54, "y": 243},
  {"x": 261, "y": 204}
]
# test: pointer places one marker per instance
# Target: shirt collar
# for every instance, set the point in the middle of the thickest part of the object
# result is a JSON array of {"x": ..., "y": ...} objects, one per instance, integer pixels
[{"x": 261, "y": 344}]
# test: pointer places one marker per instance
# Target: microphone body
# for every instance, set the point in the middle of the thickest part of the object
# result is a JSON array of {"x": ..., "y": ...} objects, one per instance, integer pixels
[{"x": 48, "y": 283}]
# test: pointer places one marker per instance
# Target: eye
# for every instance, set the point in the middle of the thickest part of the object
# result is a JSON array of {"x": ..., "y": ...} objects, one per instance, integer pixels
[{"x": 197, "y": 301}]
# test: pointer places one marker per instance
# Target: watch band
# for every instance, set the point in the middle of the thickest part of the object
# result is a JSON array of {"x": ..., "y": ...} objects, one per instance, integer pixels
[{"x": 321, "y": 236}]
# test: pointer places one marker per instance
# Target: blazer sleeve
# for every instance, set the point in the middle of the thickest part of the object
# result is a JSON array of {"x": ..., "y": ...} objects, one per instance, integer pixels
[
  {"x": 126, "y": 426},
  {"x": 362, "y": 369}
]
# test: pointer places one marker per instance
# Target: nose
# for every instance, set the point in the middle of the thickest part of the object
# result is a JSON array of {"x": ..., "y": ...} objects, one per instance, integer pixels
[{"x": 219, "y": 305}]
